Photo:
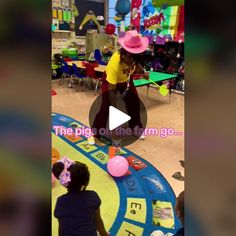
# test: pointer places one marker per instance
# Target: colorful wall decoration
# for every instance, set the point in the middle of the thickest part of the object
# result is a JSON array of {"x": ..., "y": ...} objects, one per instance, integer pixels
[
  {"x": 180, "y": 28},
  {"x": 151, "y": 19},
  {"x": 136, "y": 14},
  {"x": 165, "y": 20}
]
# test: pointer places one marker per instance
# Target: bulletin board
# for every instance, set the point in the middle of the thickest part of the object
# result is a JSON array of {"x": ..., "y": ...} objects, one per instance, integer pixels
[{"x": 84, "y": 6}]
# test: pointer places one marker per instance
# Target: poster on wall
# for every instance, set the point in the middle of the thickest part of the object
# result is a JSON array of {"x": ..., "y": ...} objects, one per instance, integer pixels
[
  {"x": 151, "y": 19},
  {"x": 89, "y": 10}
]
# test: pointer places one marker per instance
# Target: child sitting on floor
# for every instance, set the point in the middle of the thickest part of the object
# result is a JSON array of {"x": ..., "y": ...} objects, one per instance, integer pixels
[
  {"x": 179, "y": 209},
  {"x": 77, "y": 211}
]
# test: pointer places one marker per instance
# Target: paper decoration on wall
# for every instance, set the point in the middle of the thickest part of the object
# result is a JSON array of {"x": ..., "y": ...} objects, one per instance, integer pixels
[
  {"x": 75, "y": 11},
  {"x": 54, "y": 12},
  {"x": 65, "y": 3},
  {"x": 60, "y": 15},
  {"x": 56, "y": 3},
  {"x": 135, "y": 14},
  {"x": 151, "y": 18},
  {"x": 67, "y": 15},
  {"x": 55, "y": 22},
  {"x": 91, "y": 18}
]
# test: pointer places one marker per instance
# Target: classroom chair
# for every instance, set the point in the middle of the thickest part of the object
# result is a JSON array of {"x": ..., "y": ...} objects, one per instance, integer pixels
[
  {"x": 98, "y": 57},
  {"x": 76, "y": 75},
  {"x": 150, "y": 38},
  {"x": 91, "y": 76},
  {"x": 66, "y": 71}
]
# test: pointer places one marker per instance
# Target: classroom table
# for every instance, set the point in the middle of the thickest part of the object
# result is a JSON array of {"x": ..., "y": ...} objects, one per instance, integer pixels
[
  {"x": 79, "y": 64},
  {"x": 155, "y": 77}
]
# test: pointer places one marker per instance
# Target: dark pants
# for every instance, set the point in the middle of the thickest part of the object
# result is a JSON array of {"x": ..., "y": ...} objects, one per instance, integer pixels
[{"x": 132, "y": 104}]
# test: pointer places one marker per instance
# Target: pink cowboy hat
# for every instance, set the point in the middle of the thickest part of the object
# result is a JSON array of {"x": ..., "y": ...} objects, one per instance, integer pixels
[{"x": 133, "y": 42}]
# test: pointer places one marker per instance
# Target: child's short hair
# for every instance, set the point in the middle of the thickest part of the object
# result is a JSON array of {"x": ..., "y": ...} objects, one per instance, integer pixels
[
  {"x": 180, "y": 205},
  {"x": 79, "y": 175}
]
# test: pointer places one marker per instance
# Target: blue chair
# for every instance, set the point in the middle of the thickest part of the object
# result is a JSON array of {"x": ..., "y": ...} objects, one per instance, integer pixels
[
  {"x": 76, "y": 74},
  {"x": 66, "y": 71},
  {"x": 98, "y": 57}
]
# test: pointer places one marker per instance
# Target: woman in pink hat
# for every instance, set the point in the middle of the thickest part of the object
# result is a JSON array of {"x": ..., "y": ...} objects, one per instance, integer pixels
[{"x": 118, "y": 78}]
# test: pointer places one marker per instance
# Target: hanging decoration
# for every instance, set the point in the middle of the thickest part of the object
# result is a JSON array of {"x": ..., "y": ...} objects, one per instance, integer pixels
[
  {"x": 122, "y": 9},
  {"x": 110, "y": 29},
  {"x": 91, "y": 18},
  {"x": 135, "y": 14},
  {"x": 75, "y": 11}
]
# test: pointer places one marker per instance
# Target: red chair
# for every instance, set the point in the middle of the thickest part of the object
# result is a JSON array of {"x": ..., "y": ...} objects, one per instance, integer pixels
[{"x": 91, "y": 74}]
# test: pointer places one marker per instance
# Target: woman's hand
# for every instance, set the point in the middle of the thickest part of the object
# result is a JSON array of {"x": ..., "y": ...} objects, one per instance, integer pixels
[{"x": 146, "y": 75}]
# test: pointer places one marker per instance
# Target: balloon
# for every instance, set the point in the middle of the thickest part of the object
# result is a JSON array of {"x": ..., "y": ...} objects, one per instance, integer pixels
[
  {"x": 110, "y": 29},
  {"x": 122, "y": 7},
  {"x": 117, "y": 166}
]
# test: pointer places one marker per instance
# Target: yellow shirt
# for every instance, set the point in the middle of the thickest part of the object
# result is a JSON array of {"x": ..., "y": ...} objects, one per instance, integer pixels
[{"x": 116, "y": 71}]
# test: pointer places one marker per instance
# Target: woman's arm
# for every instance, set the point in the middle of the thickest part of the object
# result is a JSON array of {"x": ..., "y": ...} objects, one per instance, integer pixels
[
  {"x": 140, "y": 70},
  {"x": 100, "y": 225}
]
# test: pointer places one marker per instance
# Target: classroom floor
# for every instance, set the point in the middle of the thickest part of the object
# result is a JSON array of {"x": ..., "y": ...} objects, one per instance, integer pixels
[{"x": 163, "y": 153}]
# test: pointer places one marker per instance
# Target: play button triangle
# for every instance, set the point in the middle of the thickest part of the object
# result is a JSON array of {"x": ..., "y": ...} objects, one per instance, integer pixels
[{"x": 117, "y": 118}]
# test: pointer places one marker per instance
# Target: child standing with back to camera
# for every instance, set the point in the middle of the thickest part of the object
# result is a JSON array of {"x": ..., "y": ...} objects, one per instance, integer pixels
[{"x": 77, "y": 211}]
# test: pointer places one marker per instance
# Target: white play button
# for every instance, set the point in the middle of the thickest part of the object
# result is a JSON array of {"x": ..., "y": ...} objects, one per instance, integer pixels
[{"x": 117, "y": 118}]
